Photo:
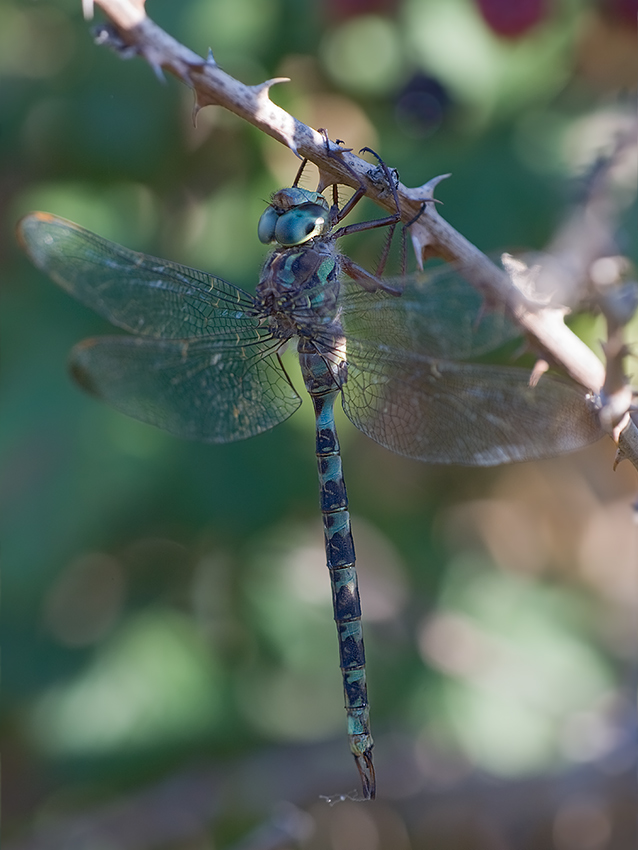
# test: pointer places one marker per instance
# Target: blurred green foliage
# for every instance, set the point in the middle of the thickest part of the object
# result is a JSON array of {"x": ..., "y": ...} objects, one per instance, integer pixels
[{"x": 168, "y": 601}]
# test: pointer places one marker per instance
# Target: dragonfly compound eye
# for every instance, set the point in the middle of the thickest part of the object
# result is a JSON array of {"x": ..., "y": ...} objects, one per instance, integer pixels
[
  {"x": 266, "y": 226},
  {"x": 300, "y": 224}
]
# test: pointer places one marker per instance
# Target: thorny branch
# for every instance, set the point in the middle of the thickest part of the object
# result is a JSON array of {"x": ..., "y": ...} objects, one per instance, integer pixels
[{"x": 431, "y": 235}]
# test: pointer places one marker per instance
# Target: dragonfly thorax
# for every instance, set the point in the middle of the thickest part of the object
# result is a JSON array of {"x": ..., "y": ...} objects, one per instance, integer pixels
[{"x": 299, "y": 288}]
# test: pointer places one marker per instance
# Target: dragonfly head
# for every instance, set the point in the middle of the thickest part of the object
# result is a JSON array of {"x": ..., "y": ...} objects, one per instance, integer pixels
[{"x": 293, "y": 217}]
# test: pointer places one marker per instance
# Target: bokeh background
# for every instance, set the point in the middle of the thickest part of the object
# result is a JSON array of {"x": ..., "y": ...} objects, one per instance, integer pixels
[{"x": 171, "y": 676}]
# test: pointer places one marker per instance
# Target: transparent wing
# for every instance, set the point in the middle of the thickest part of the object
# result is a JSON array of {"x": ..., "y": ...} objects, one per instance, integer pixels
[
  {"x": 437, "y": 315},
  {"x": 442, "y": 412},
  {"x": 198, "y": 389},
  {"x": 136, "y": 292}
]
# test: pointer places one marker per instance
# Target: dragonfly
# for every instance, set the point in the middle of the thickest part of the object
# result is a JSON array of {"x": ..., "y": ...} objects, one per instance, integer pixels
[{"x": 202, "y": 359}]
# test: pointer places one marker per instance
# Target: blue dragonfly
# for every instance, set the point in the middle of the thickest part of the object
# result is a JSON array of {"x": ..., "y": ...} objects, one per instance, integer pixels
[{"x": 202, "y": 359}]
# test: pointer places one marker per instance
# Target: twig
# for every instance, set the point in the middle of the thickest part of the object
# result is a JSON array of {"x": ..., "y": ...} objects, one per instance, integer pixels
[{"x": 431, "y": 234}]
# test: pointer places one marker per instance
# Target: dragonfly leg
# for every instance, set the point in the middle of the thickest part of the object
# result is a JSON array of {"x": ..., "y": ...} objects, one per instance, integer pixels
[
  {"x": 329, "y": 152},
  {"x": 304, "y": 163},
  {"x": 338, "y": 215},
  {"x": 389, "y": 221},
  {"x": 368, "y": 281}
]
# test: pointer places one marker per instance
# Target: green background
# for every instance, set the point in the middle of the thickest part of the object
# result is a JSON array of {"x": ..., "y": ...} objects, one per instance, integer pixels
[{"x": 168, "y": 641}]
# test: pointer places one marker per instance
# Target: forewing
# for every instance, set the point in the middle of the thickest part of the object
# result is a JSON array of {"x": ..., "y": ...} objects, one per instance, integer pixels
[
  {"x": 195, "y": 389},
  {"x": 442, "y": 412},
  {"x": 436, "y": 315},
  {"x": 136, "y": 292}
]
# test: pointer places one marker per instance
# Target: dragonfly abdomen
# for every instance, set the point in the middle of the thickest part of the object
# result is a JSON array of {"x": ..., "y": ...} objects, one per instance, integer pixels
[{"x": 340, "y": 558}]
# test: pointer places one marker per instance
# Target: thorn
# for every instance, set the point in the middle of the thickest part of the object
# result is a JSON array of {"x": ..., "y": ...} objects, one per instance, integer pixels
[
  {"x": 614, "y": 413},
  {"x": 421, "y": 242},
  {"x": 157, "y": 70},
  {"x": 105, "y": 35},
  {"x": 428, "y": 188},
  {"x": 262, "y": 89},
  {"x": 108, "y": 36},
  {"x": 287, "y": 124},
  {"x": 88, "y": 10},
  {"x": 540, "y": 367},
  {"x": 616, "y": 432},
  {"x": 618, "y": 459},
  {"x": 202, "y": 99},
  {"x": 210, "y": 59},
  {"x": 424, "y": 195}
]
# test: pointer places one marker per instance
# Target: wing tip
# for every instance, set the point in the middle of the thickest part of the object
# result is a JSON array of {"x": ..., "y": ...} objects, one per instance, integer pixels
[{"x": 27, "y": 229}]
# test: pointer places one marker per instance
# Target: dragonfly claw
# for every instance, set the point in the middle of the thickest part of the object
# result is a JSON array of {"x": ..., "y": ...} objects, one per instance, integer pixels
[{"x": 365, "y": 766}]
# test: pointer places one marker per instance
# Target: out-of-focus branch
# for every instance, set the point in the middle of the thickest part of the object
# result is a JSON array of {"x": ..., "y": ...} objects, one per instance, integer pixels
[
  {"x": 618, "y": 304},
  {"x": 582, "y": 253},
  {"x": 431, "y": 235}
]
